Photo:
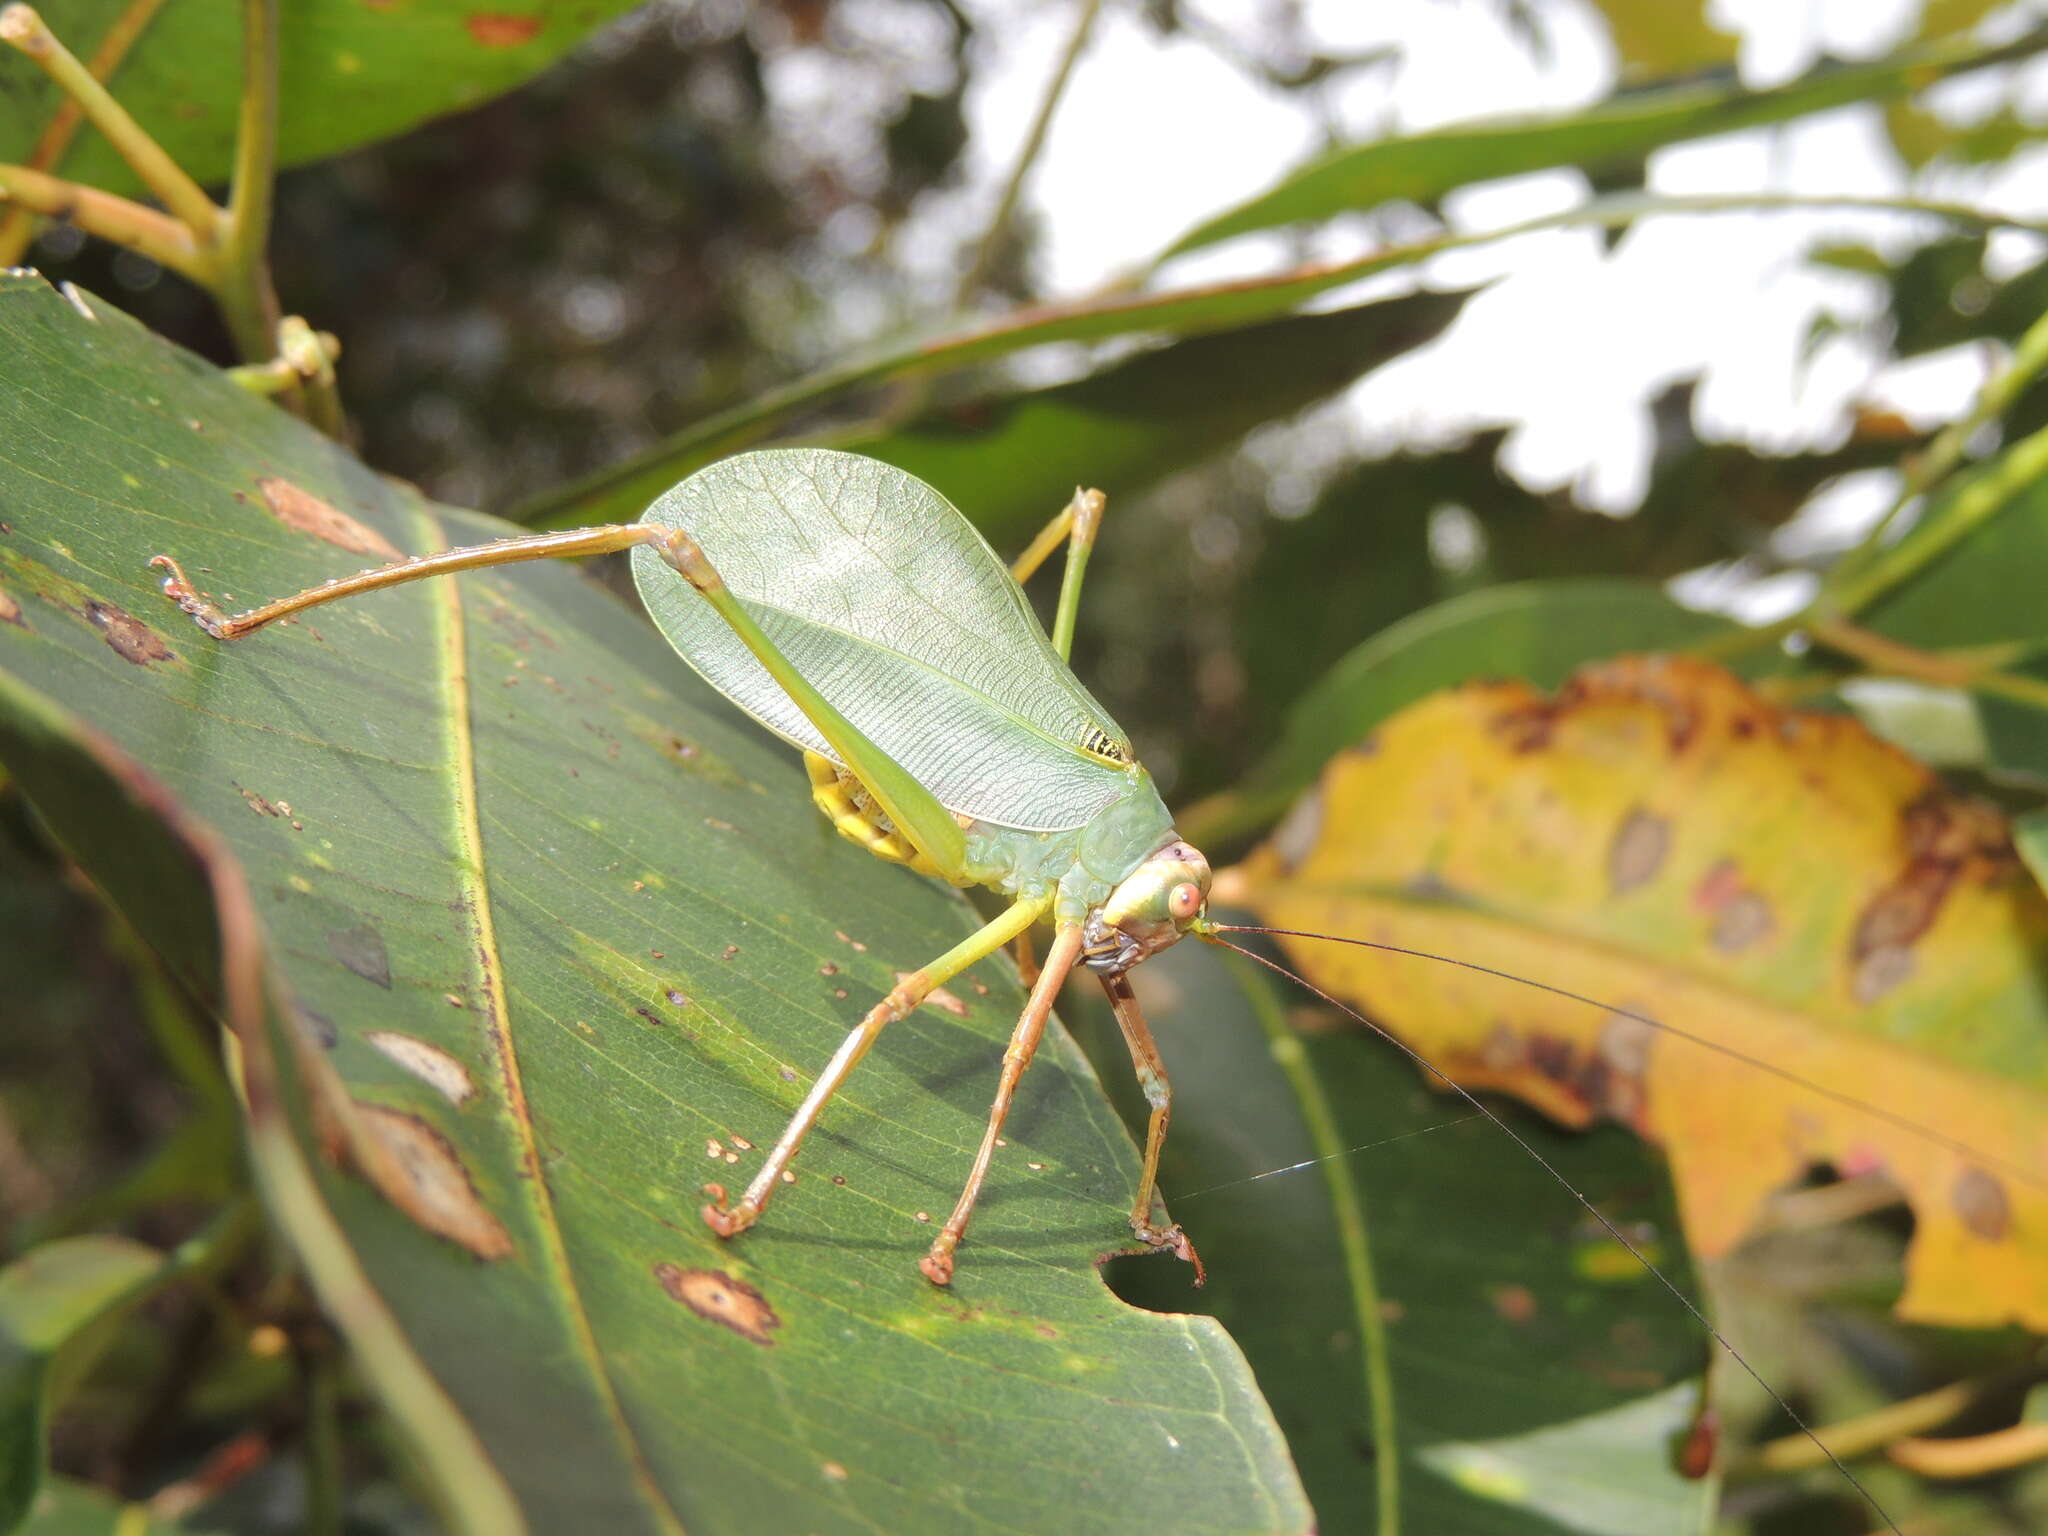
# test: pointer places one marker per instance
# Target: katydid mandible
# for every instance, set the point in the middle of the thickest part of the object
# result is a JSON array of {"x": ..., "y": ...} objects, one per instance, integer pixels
[{"x": 852, "y": 610}]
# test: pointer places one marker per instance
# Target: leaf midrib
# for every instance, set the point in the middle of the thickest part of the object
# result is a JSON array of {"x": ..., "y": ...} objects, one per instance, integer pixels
[{"x": 471, "y": 873}]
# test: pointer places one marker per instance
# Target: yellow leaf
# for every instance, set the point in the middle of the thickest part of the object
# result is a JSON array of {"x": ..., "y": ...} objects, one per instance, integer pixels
[{"x": 1784, "y": 885}]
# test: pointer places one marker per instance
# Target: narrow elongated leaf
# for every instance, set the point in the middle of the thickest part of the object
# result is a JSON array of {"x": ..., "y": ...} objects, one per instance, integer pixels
[
  {"x": 350, "y": 74},
  {"x": 891, "y": 604},
  {"x": 561, "y": 942},
  {"x": 619, "y": 491},
  {"x": 1424, "y": 167},
  {"x": 1010, "y": 461}
]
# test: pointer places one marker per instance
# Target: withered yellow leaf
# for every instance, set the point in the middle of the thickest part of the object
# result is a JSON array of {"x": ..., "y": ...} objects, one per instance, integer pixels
[{"x": 1782, "y": 884}]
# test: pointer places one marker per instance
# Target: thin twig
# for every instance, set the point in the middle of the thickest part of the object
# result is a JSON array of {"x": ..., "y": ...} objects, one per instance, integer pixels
[
  {"x": 1027, "y": 155},
  {"x": 18, "y": 225},
  {"x": 21, "y": 27},
  {"x": 246, "y": 297},
  {"x": 1925, "y": 470},
  {"x": 158, "y": 236}
]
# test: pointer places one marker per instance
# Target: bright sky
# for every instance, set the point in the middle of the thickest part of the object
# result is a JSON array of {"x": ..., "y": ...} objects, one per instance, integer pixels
[{"x": 1569, "y": 343}]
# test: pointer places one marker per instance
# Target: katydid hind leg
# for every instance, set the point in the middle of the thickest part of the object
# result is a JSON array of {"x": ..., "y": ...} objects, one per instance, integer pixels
[
  {"x": 572, "y": 544},
  {"x": 1059, "y": 960},
  {"x": 729, "y": 1220}
]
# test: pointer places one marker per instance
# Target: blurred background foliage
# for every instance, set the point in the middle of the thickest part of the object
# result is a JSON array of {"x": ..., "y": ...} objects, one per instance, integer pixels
[{"x": 709, "y": 198}]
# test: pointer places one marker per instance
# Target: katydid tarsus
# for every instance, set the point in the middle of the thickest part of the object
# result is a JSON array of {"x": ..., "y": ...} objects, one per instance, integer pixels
[{"x": 851, "y": 610}]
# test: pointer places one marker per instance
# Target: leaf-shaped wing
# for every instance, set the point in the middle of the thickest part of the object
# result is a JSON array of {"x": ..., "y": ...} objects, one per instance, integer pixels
[{"x": 895, "y": 608}]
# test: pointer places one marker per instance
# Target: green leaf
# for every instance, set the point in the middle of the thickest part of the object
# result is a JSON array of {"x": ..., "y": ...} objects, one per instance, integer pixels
[
  {"x": 1574, "y": 1472},
  {"x": 1423, "y": 167},
  {"x": 350, "y": 73},
  {"x": 1501, "y": 1308},
  {"x": 1984, "y": 592},
  {"x": 555, "y": 926},
  {"x": 1011, "y": 461},
  {"x": 50, "y": 1301},
  {"x": 1538, "y": 631}
]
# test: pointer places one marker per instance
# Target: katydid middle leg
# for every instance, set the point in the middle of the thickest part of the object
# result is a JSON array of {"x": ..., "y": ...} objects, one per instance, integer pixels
[
  {"x": 1059, "y": 960},
  {"x": 728, "y": 1221}
]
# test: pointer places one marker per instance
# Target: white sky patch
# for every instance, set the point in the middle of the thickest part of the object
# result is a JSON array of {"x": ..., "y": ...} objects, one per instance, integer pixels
[{"x": 1569, "y": 342}]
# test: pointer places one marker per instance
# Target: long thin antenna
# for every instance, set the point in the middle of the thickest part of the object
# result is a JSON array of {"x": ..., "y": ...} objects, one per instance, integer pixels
[
  {"x": 2019, "y": 1171},
  {"x": 1591, "y": 1209}
]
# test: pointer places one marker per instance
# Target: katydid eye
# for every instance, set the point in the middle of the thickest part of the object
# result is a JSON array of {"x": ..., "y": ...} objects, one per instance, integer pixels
[{"x": 1183, "y": 901}]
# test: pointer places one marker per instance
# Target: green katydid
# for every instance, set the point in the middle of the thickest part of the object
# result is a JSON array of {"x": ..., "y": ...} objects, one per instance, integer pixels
[{"x": 853, "y": 611}]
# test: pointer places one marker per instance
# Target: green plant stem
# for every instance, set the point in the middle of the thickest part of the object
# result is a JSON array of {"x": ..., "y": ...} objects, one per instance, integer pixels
[
  {"x": 115, "y": 219},
  {"x": 1027, "y": 156},
  {"x": 17, "y": 224},
  {"x": 247, "y": 300},
  {"x": 1925, "y": 470},
  {"x": 321, "y": 1371},
  {"x": 1347, "y": 1209},
  {"x": 1183, "y": 311},
  {"x": 1976, "y": 504},
  {"x": 1873, "y": 1431},
  {"x": 1978, "y": 670},
  {"x": 21, "y": 27}
]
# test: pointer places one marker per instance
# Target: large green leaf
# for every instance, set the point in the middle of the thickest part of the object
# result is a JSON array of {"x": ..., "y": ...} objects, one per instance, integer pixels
[
  {"x": 566, "y": 932},
  {"x": 1502, "y": 1309},
  {"x": 349, "y": 73},
  {"x": 1423, "y": 167}
]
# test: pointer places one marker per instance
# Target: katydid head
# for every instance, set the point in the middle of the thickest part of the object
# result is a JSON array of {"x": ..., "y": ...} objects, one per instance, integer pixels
[{"x": 1158, "y": 902}]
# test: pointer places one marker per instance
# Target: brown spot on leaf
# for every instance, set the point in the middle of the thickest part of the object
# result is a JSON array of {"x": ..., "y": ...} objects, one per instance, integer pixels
[
  {"x": 417, "y": 1170},
  {"x": 130, "y": 638},
  {"x": 361, "y": 949},
  {"x": 1638, "y": 850},
  {"x": 258, "y": 804},
  {"x": 10, "y": 611},
  {"x": 1744, "y": 920},
  {"x": 497, "y": 29},
  {"x": 300, "y": 509},
  {"x": 1946, "y": 839},
  {"x": 719, "y": 1298},
  {"x": 429, "y": 1063},
  {"x": 1516, "y": 1303},
  {"x": 1879, "y": 971},
  {"x": 1982, "y": 1203}
]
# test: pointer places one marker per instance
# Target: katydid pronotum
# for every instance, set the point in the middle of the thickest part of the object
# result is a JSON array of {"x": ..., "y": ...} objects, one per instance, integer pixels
[{"x": 850, "y": 609}]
